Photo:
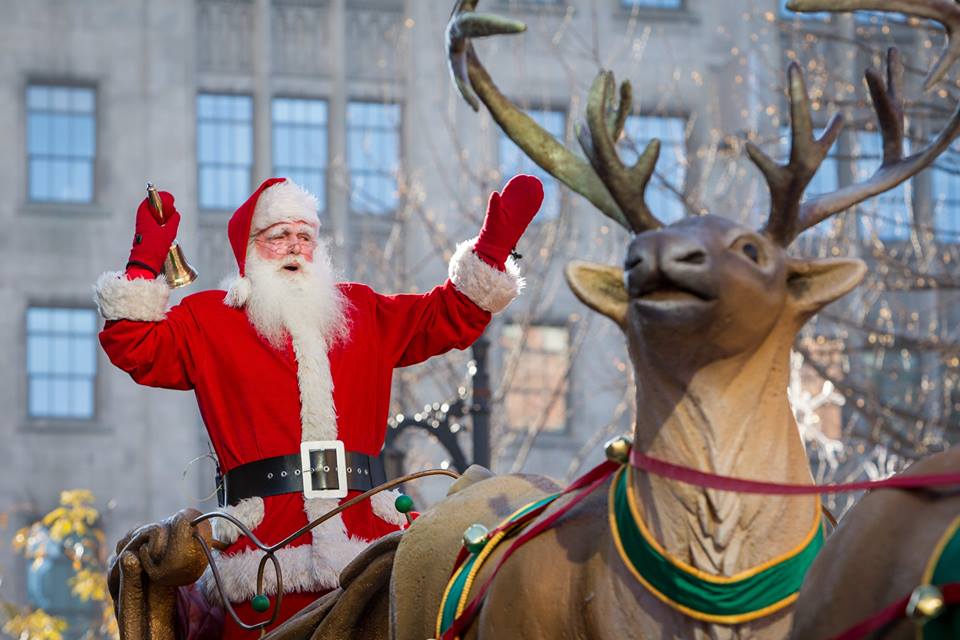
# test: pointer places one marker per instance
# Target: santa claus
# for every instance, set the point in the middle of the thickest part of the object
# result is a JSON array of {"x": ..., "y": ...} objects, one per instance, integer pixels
[{"x": 292, "y": 371}]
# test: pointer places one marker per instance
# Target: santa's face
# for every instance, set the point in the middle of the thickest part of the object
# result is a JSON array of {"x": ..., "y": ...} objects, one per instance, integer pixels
[
  {"x": 293, "y": 287},
  {"x": 287, "y": 244}
]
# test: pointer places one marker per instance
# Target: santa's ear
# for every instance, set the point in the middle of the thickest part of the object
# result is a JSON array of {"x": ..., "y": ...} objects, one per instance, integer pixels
[
  {"x": 813, "y": 284},
  {"x": 601, "y": 288}
]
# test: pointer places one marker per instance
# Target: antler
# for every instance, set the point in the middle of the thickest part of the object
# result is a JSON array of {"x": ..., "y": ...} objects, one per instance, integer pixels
[
  {"x": 787, "y": 217},
  {"x": 598, "y": 140},
  {"x": 591, "y": 180},
  {"x": 946, "y": 12},
  {"x": 787, "y": 182}
]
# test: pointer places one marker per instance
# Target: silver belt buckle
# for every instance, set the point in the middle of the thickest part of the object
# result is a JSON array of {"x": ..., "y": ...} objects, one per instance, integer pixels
[{"x": 306, "y": 471}]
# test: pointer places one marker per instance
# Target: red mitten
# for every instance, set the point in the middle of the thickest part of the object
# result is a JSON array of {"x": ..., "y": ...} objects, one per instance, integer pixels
[
  {"x": 151, "y": 241},
  {"x": 508, "y": 214}
]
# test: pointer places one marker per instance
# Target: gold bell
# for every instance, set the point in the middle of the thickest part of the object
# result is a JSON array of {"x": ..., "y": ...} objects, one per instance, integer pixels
[
  {"x": 176, "y": 269},
  {"x": 618, "y": 449},
  {"x": 926, "y": 603}
]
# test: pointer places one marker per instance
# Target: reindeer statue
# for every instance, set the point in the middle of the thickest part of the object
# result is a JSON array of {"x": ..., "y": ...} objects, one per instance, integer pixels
[{"x": 710, "y": 310}]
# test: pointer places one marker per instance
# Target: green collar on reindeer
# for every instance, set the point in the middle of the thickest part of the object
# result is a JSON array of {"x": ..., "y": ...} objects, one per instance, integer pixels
[{"x": 746, "y": 596}]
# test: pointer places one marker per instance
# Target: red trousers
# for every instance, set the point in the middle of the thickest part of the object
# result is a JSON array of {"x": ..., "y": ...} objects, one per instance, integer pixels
[
  {"x": 291, "y": 604},
  {"x": 197, "y": 620}
]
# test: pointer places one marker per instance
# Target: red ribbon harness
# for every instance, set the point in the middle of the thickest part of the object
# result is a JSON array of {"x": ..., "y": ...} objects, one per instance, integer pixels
[{"x": 594, "y": 478}]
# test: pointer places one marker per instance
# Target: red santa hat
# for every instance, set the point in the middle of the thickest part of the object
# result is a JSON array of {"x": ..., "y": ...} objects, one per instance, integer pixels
[{"x": 276, "y": 200}]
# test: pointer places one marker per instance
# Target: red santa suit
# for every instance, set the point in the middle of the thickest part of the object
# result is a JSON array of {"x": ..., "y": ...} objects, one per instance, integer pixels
[{"x": 258, "y": 401}]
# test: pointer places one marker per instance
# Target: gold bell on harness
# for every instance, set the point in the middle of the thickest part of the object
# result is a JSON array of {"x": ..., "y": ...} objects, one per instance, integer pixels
[
  {"x": 926, "y": 603},
  {"x": 618, "y": 449},
  {"x": 475, "y": 537}
]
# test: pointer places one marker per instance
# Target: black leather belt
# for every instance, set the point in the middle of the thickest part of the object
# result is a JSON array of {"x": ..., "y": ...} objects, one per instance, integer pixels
[{"x": 284, "y": 474}]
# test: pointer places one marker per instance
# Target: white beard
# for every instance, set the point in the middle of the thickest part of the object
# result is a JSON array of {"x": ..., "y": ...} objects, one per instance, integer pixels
[{"x": 286, "y": 303}]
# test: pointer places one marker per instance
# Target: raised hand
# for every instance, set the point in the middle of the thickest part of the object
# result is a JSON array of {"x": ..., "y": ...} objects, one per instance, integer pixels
[
  {"x": 151, "y": 240},
  {"x": 508, "y": 214}
]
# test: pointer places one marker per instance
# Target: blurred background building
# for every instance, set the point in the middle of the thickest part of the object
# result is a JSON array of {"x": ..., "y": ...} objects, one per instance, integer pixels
[{"x": 352, "y": 99}]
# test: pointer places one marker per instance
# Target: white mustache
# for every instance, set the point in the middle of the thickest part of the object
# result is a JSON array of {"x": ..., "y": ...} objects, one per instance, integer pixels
[{"x": 291, "y": 261}]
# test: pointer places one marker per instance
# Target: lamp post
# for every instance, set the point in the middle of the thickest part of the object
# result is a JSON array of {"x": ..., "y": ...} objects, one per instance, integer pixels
[{"x": 444, "y": 420}]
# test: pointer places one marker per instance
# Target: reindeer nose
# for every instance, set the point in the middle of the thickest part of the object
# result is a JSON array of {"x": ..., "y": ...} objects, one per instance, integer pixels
[
  {"x": 683, "y": 254},
  {"x": 642, "y": 255}
]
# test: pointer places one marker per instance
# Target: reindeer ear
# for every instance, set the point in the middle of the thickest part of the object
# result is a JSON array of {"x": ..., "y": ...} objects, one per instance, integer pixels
[
  {"x": 600, "y": 287},
  {"x": 813, "y": 284}
]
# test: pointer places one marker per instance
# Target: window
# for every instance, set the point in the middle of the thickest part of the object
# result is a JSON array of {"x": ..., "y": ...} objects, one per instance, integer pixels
[
  {"x": 300, "y": 143},
  {"x": 879, "y": 17},
  {"x": 652, "y": 4},
  {"x": 513, "y": 161},
  {"x": 895, "y": 377},
  {"x": 61, "y": 362},
  {"x": 888, "y": 215},
  {"x": 946, "y": 199},
  {"x": 661, "y": 195},
  {"x": 861, "y": 16},
  {"x": 224, "y": 150},
  {"x": 373, "y": 156},
  {"x": 61, "y": 143},
  {"x": 537, "y": 397}
]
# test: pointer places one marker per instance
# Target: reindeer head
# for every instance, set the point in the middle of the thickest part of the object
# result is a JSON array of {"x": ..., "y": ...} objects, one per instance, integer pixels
[{"x": 706, "y": 288}]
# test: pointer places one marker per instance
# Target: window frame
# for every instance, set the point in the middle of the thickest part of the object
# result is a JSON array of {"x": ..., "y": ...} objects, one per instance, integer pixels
[
  {"x": 946, "y": 234},
  {"x": 386, "y": 216},
  {"x": 652, "y": 186},
  {"x": 565, "y": 430},
  {"x": 212, "y": 210},
  {"x": 324, "y": 211},
  {"x": 70, "y": 423},
  {"x": 641, "y": 7},
  {"x": 860, "y": 174},
  {"x": 95, "y": 160},
  {"x": 548, "y": 180}
]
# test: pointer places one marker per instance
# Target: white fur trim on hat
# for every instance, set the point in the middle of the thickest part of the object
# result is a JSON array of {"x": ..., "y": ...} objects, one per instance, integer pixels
[
  {"x": 284, "y": 202},
  {"x": 238, "y": 290},
  {"x": 139, "y": 299},
  {"x": 491, "y": 289},
  {"x": 248, "y": 511}
]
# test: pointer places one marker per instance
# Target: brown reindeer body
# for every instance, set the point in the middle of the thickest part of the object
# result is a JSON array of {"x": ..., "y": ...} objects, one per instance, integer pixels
[
  {"x": 877, "y": 555},
  {"x": 710, "y": 310},
  {"x": 710, "y": 379}
]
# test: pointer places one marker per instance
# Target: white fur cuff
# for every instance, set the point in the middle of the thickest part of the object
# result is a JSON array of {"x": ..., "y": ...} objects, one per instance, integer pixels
[
  {"x": 491, "y": 289},
  {"x": 140, "y": 299}
]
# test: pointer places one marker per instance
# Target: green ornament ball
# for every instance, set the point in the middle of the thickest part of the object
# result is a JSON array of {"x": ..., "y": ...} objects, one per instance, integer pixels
[
  {"x": 403, "y": 503},
  {"x": 260, "y": 603}
]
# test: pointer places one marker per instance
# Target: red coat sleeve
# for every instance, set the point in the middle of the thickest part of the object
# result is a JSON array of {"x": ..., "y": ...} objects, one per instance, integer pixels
[
  {"x": 160, "y": 353},
  {"x": 415, "y": 327}
]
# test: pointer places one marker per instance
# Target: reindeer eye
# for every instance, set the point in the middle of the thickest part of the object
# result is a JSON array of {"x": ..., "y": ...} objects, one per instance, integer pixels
[{"x": 750, "y": 250}]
